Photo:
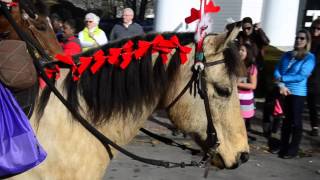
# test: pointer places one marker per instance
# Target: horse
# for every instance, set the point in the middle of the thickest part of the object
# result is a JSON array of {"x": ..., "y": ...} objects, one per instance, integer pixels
[
  {"x": 32, "y": 17},
  {"x": 118, "y": 102}
]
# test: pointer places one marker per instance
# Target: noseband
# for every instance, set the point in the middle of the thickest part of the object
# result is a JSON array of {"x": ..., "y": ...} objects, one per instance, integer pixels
[{"x": 199, "y": 83}]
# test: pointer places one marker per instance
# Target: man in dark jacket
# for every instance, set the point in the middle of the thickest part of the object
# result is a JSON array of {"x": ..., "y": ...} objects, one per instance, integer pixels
[
  {"x": 313, "y": 97},
  {"x": 127, "y": 28}
]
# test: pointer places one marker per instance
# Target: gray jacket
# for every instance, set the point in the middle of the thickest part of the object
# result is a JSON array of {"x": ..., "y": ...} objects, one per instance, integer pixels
[{"x": 119, "y": 31}]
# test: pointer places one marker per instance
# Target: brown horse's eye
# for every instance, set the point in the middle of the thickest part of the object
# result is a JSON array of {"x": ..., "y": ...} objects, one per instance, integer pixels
[{"x": 41, "y": 25}]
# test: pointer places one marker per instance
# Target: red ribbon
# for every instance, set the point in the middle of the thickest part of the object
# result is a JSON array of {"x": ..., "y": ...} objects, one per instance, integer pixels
[
  {"x": 195, "y": 14},
  {"x": 143, "y": 47},
  {"x": 163, "y": 47},
  {"x": 183, "y": 50},
  {"x": 84, "y": 64},
  {"x": 114, "y": 55},
  {"x": 127, "y": 54},
  {"x": 99, "y": 59},
  {"x": 67, "y": 59},
  {"x": 55, "y": 71},
  {"x": 211, "y": 8}
]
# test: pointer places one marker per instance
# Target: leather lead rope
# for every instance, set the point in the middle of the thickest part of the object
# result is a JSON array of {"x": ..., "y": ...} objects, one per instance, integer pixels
[{"x": 103, "y": 139}]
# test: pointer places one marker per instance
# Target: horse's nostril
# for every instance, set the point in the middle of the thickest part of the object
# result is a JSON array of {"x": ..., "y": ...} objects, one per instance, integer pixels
[{"x": 244, "y": 157}]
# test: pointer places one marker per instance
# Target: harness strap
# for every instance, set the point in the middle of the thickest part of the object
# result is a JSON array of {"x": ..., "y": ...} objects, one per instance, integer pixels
[
  {"x": 212, "y": 139},
  {"x": 188, "y": 85},
  {"x": 102, "y": 138},
  {"x": 169, "y": 141}
]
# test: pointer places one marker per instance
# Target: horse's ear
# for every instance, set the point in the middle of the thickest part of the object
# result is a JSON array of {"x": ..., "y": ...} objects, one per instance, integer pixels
[
  {"x": 219, "y": 42},
  {"x": 233, "y": 31}
]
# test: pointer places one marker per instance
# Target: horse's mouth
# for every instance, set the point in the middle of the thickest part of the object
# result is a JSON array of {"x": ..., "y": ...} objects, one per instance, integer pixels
[{"x": 218, "y": 161}]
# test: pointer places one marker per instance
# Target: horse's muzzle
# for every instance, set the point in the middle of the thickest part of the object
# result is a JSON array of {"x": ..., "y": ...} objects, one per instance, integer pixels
[{"x": 241, "y": 158}]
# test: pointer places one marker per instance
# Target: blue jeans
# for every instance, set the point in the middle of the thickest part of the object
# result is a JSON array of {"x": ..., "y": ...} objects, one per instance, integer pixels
[{"x": 291, "y": 131}]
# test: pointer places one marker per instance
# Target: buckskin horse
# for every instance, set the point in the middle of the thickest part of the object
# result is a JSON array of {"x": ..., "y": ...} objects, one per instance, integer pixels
[{"x": 117, "y": 100}]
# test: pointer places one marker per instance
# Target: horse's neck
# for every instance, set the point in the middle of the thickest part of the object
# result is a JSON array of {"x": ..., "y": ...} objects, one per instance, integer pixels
[
  {"x": 70, "y": 146},
  {"x": 179, "y": 81}
]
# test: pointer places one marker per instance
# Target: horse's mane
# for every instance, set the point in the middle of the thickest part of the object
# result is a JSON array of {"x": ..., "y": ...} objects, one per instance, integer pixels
[{"x": 113, "y": 90}]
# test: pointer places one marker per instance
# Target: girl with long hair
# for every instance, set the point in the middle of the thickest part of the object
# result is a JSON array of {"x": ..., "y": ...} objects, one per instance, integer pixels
[{"x": 247, "y": 84}]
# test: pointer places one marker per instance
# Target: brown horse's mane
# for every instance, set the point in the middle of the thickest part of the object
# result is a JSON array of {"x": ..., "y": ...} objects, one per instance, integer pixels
[
  {"x": 33, "y": 7},
  {"x": 113, "y": 90}
]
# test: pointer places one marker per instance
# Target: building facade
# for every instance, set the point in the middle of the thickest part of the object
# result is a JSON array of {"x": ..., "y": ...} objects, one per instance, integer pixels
[{"x": 279, "y": 18}]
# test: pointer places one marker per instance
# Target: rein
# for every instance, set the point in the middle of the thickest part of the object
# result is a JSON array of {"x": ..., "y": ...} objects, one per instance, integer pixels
[{"x": 34, "y": 46}]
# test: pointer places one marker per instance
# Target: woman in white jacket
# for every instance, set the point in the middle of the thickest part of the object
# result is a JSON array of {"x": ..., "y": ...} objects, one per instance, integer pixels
[{"x": 92, "y": 36}]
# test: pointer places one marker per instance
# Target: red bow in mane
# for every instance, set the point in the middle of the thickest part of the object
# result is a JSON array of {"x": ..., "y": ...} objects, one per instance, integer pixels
[
  {"x": 126, "y": 54},
  {"x": 99, "y": 59}
]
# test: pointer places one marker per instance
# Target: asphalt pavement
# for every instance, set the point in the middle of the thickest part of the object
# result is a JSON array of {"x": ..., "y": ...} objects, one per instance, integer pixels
[{"x": 262, "y": 165}]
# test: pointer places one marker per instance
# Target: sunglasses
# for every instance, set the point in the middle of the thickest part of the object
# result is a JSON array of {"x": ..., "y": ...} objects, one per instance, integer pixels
[
  {"x": 300, "y": 38},
  {"x": 247, "y": 28},
  {"x": 89, "y": 21},
  {"x": 315, "y": 28}
]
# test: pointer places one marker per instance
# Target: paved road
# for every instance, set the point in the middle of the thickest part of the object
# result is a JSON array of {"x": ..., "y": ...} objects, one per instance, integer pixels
[{"x": 262, "y": 164}]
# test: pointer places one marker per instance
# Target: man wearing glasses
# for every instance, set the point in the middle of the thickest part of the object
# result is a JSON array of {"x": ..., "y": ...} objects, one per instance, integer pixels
[
  {"x": 313, "y": 97},
  {"x": 127, "y": 28},
  {"x": 92, "y": 36}
]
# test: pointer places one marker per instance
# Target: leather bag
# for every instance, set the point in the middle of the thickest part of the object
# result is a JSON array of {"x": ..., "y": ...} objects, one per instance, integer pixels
[{"x": 16, "y": 67}]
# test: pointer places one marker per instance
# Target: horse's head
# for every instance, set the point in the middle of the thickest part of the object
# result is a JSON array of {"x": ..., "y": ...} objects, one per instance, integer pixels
[
  {"x": 189, "y": 113},
  {"x": 33, "y": 19}
]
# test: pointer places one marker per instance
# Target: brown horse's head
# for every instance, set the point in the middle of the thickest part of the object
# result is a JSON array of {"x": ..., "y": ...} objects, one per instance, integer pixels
[
  {"x": 189, "y": 112},
  {"x": 33, "y": 19}
]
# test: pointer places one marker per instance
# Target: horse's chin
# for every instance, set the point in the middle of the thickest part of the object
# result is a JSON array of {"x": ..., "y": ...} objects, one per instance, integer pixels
[{"x": 218, "y": 162}]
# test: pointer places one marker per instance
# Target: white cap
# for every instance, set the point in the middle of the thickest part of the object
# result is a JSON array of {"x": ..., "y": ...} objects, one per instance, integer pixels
[{"x": 92, "y": 17}]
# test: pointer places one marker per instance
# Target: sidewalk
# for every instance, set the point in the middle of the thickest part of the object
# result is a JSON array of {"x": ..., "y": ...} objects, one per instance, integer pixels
[{"x": 262, "y": 165}]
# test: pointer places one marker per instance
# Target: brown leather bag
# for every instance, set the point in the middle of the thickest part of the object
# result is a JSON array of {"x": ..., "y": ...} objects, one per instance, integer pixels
[{"x": 16, "y": 67}]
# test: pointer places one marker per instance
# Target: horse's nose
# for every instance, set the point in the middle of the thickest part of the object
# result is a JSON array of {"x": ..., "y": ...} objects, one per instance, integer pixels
[{"x": 244, "y": 157}]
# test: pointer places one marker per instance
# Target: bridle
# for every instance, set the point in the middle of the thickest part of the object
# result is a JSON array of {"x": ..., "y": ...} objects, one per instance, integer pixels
[
  {"x": 198, "y": 77},
  {"x": 199, "y": 84},
  {"x": 30, "y": 21}
]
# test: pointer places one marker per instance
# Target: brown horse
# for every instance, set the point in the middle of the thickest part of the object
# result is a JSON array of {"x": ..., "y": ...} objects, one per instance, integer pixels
[{"x": 32, "y": 17}]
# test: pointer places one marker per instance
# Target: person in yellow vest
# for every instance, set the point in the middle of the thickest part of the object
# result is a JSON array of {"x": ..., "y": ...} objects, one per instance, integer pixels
[{"x": 92, "y": 36}]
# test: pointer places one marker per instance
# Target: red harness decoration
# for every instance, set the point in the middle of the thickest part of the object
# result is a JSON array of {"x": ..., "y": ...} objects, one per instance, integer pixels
[{"x": 126, "y": 52}]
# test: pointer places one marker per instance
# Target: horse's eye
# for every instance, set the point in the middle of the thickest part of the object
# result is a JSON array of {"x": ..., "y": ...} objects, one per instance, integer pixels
[{"x": 223, "y": 91}]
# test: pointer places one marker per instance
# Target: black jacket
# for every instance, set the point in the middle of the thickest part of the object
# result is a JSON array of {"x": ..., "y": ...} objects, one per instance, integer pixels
[{"x": 314, "y": 79}]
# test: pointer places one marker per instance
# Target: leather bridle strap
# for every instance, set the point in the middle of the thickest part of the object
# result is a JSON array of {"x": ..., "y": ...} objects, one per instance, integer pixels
[
  {"x": 198, "y": 77},
  {"x": 212, "y": 138}
]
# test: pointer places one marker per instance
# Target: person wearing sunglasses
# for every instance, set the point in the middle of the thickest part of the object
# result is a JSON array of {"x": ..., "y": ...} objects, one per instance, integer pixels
[
  {"x": 291, "y": 75},
  {"x": 313, "y": 97},
  {"x": 127, "y": 28},
  {"x": 254, "y": 35},
  {"x": 92, "y": 36}
]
